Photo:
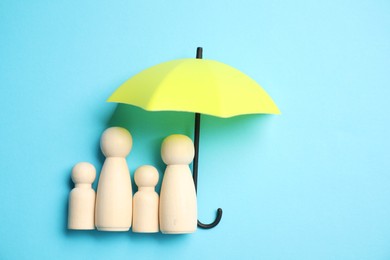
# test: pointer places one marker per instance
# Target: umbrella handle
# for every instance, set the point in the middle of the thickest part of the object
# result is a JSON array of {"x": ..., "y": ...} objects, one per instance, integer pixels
[
  {"x": 199, "y": 55},
  {"x": 195, "y": 173},
  {"x": 214, "y": 223}
]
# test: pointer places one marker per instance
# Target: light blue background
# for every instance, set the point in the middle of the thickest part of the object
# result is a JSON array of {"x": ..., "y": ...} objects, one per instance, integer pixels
[{"x": 312, "y": 183}]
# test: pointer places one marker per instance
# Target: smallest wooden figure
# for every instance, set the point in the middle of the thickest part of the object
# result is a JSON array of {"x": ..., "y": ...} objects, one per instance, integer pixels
[
  {"x": 146, "y": 200},
  {"x": 82, "y": 198}
]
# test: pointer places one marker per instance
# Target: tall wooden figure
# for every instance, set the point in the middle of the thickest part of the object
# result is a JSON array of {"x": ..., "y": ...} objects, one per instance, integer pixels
[
  {"x": 81, "y": 211},
  {"x": 146, "y": 200},
  {"x": 114, "y": 192},
  {"x": 178, "y": 210}
]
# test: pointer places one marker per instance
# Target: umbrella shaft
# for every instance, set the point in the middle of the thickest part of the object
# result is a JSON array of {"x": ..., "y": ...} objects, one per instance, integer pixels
[
  {"x": 196, "y": 144},
  {"x": 199, "y": 55}
]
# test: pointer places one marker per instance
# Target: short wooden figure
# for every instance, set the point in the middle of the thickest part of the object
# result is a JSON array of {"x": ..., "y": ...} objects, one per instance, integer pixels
[
  {"x": 178, "y": 210},
  {"x": 146, "y": 200},
  {"x": 81, "y": 213},
  {"x": 114, "y": 192}
]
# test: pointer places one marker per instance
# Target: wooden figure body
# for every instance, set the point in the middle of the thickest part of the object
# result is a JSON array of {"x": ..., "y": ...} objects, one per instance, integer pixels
[
  {"x": 114, "y": 192},
  {"x": 178, "y": 209},
  {"x": 146, "y": 200},
  {"x": 81, "y": 213}
]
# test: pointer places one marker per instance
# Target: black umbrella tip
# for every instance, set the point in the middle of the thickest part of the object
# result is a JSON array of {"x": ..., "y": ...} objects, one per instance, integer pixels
[{"x": 199, "y": 53}]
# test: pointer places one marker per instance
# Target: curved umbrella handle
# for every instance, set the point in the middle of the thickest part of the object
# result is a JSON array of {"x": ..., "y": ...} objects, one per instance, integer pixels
[
  {"x": 195, "y": 173},
  {"x": 214, "y": 223},
  {"x": 199, "y": 55}
]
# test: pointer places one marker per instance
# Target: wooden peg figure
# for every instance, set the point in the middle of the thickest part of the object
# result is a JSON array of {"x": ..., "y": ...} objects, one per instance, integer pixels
[
  {"x": 81, "y": 213},
  {"x": 178, "y": 210},
  {"x": 114, "y": 192},
  {"x": 146, "y": 200}
]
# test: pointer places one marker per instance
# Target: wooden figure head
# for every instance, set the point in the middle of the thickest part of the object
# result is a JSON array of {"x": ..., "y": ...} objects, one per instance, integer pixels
[
  {"x": 177, "y": 149},
  {"x": 116, "y": 142}
]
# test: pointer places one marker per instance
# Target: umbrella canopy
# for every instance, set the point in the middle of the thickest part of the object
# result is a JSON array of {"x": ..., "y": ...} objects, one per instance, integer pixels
[
  {"x": 195, "y": 85},
  {"x": 198, "y": 86}
]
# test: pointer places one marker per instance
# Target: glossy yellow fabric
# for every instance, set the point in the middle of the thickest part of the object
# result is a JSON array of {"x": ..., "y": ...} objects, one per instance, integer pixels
[{"x": 195, "y": 85}]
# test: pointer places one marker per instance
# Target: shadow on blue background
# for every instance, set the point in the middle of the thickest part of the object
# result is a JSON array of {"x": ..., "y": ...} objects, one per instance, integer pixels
[{"x": 153, "y": 127}]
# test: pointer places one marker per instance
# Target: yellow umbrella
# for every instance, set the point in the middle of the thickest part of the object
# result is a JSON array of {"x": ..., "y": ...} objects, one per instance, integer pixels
[{"x": 199, "y": 86}]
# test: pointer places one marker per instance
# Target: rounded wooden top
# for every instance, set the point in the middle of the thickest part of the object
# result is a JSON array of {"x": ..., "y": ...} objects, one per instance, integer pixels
[
  {"x": 116, "y": 142},
  {"x": 146, "y": 176},
  {"x": 83, "y": 172},
  {"x": 177, "y": 149}
]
